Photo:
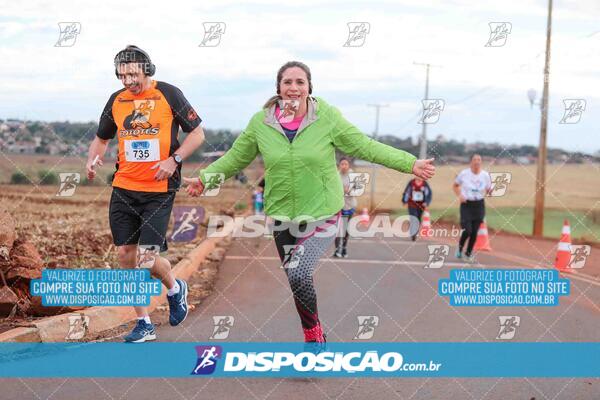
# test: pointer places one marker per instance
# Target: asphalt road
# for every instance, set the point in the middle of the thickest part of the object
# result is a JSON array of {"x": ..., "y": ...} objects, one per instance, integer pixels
[{"x": 382, "y": 278}]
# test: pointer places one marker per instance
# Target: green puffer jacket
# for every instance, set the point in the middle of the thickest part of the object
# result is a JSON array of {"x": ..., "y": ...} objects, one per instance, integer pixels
[{"x": 301, "y": 178}]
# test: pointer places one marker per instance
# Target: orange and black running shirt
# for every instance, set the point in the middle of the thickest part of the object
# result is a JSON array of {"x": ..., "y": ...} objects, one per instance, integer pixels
[{"x": 147, "y": 127}]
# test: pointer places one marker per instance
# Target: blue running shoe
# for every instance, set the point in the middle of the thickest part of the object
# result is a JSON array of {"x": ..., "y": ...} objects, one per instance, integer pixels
[
  {"x": 178, "y": 305},
  {"x": 458, "y": 254},
  {"x": 142, "y": 332}
]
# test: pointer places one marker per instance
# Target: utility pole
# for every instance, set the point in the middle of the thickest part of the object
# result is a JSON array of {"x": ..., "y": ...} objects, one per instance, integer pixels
[
  {"x": 423, "y": 147},
  {"x": 540, "y": 181},
  {"x": 373, "y": 167}
]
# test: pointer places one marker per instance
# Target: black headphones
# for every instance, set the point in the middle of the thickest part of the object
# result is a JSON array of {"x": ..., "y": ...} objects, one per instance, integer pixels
[{"x": 131, "y": 54}]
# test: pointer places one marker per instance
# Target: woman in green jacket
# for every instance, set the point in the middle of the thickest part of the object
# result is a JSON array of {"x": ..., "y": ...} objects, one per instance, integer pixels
[{"x": 297, "y": 135}]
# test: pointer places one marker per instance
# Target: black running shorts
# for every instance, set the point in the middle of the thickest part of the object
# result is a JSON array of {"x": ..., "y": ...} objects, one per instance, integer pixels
[{"x": 140, "y": 217}]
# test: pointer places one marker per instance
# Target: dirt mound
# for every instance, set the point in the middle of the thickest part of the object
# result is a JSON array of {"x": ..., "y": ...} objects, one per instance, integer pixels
[
  {"x": 7, "y": 234},
  {"x": 20, "y": 262},
  {"x": 23, "y": 264}
]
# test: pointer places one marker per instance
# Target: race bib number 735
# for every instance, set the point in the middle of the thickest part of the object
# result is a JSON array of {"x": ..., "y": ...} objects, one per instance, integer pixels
[{"x": 142, "y": 150}]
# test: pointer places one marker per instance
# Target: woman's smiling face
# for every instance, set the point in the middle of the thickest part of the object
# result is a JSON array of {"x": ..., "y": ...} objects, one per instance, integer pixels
[{"x": 294, "y": 85}]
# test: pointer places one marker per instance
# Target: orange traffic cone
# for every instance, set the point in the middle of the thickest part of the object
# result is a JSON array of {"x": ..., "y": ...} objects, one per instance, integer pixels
[
  {"x": 364, "y": 217},
  {"x": 426, "y": 230},
  {"x": 563, "y": 253},
  {"x": 482, "y": 243}
]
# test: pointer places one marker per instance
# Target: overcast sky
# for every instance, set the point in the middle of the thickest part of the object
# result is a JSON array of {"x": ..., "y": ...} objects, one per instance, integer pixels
[{"x": 484, "y": 88}]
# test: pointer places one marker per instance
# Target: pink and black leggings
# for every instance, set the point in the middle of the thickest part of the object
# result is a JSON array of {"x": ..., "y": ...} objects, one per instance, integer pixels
[{"x": 300, "y": 246}]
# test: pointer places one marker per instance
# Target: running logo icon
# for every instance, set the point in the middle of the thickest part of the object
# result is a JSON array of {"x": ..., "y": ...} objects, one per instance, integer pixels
[
  {"x": 212, "y": 34},
  {"x": 146, "y": 255},
  {"x": 500, "y": 182},
  {"x": 78, "y": 326},
  {"x": 366, "y": 326},
  {"x": 358, "y": 183},
  {"x": 437, "y": 255},
  {"x": 291, "y": 258},
  {"x": 187, "y": 220},
  {"x": 357, "y": 33},
  {"x": 68, "y": 34},
  {"x": 432, "y": 109},
  {"x": 68, "y": 183},
  {"x": 579, "y": 254},
  {"x": 288, "y": 110},
  {"x": 574, "y": 108},
  {"x": 499, "y": 32},
  {"x": 508, "y": 326},
  {"x": 207, "y": 359},
  {"x": 223, "y": 324},
  {"x": 214, "y": 180}
]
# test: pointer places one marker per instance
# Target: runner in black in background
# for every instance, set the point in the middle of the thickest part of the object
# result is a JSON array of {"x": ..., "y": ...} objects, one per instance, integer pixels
[{"x": 417, "y": 195}]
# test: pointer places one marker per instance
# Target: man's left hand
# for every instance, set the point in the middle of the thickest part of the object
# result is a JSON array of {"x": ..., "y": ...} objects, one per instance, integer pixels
[{"x": 166, "y": 168}]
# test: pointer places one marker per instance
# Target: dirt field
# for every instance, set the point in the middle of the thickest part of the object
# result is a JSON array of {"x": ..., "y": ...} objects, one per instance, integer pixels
[
  {"x": 569, "y": 186},
  {"x": 75, "y": 229},
  {"x": 73, "y": 232},
  {"x": 573, "y": 191}
]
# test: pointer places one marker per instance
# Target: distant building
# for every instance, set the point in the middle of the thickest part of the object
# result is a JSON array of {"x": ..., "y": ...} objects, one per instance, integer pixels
[
  {"x": 212, "y": 155},
  {"x": 22, "y": 148},
  {"x": 503, "y": 161},
  {"x": 522, "y": 160}
]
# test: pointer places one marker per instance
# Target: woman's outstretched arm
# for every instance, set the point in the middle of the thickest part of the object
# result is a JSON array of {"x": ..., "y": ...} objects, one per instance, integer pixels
[
  {"x": 352, "y": 141},
  {"x": 241, "y": 154}
]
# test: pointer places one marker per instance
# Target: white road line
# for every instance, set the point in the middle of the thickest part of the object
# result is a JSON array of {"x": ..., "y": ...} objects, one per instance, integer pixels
[
  {"x": 579, "y": 277},
  {"x": 525, "y": 262},
  {"x": 374, "y": 241},
  {"x": 354, "y": 261},
  {"x": 592, "y": 281}
]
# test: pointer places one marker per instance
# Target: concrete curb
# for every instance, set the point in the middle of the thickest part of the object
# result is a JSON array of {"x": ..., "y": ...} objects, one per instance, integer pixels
[
  {"x": 21, "y": 335},
  {"x": 100, "y": 319}
]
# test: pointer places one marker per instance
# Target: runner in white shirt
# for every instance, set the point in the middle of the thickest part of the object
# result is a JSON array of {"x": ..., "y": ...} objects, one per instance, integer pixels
[{"x": 471, "y": 186}]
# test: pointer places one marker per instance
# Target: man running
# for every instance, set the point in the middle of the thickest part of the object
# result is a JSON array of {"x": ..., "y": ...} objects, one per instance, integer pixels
[
  {"x": 146, "y": 115},
  {"x": 471, "y": 186}
]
